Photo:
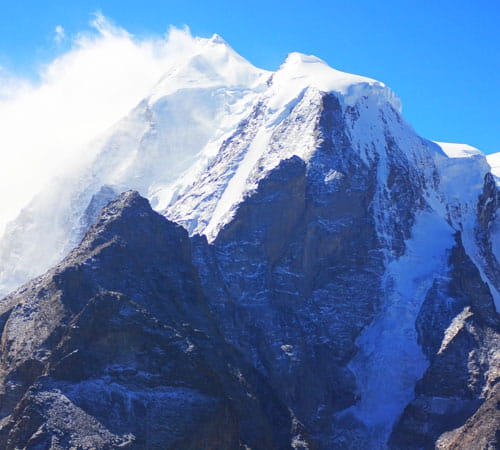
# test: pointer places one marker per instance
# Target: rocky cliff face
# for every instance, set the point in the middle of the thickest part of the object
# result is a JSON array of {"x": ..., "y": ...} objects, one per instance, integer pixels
[
  {"x": 143, "y": 338},
  {"x": 301, "y": 269},
  {"x": 116, "y": 347},
  {"x": 325, "y": 278}
]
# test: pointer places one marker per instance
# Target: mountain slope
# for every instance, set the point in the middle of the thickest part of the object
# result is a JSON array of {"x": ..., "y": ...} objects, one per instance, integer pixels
[
  {"x": 329, "y": 261},
  {"x": 190, "y": 111},
  {"x": 125, "y": 352},
  {"x": 344, "y": 266}
]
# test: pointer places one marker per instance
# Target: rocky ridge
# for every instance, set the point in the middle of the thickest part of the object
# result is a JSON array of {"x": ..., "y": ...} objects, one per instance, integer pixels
[{"x": 122, "y": 351}]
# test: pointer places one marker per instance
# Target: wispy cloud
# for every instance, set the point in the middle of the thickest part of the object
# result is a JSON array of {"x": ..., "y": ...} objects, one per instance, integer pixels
[
  {"x": 60, "y": 34},
  {"x": 45, "y": 126}
]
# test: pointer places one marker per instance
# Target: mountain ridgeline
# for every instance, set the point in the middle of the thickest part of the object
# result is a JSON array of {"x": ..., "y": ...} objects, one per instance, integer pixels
[{"x": 280, "y": 261}]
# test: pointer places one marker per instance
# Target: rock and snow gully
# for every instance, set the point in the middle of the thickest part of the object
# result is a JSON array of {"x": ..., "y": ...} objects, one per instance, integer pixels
[{"x": 337, "y": 286}]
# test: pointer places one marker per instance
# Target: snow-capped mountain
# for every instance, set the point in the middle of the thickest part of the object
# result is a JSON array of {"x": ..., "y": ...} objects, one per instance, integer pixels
[
  {"x": 351, "y": 264},
  {"x": 169, "y": 140}
]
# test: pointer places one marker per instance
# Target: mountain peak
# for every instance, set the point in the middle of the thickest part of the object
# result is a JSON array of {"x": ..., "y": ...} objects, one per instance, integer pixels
[
  {"x": 128, "y": 216},
  {"x": 304, "y": 70},
  {"x": 209, "y": 63},
  {"x": 302, "y": 58},
  {"x": 217, "y": 39},
  {"x": 127, "y": 203}
]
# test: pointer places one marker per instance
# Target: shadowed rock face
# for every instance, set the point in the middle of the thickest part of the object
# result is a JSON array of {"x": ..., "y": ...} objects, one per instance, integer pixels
[
  {"x": 145, "y": 338},
  {"x": 296, "y": 275},
  {"x": 456, "y": 401},
  {"x": 461, "y": 373},
  {"x": 301, "y": 272},
  {"x": 121, "y": 351}
]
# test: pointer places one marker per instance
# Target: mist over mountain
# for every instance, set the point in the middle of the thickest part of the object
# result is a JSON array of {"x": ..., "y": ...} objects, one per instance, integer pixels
[{"x": 281, "y": 262}]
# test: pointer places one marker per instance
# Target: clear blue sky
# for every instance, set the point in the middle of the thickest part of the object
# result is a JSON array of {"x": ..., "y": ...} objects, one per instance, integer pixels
[{"x": 442, "y": 57}]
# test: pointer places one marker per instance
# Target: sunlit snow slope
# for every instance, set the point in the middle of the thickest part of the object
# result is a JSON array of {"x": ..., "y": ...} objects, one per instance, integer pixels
[
  {"x": 194, "y": 115},
  {"x": 191, "y": 110}
]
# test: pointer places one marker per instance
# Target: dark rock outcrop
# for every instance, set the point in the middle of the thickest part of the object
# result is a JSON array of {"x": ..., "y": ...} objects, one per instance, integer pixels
[
  {"x": 121, "y": 350},
  {"x": 300, "y": 268},
  {"x": 460, "y": 332}
]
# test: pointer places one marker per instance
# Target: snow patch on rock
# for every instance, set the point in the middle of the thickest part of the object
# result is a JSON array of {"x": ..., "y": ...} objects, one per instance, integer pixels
[{"x": 390, "y": 342}]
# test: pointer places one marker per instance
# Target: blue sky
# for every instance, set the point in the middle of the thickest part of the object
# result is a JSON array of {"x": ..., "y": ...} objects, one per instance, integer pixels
[{"x": 441, "y": 57}]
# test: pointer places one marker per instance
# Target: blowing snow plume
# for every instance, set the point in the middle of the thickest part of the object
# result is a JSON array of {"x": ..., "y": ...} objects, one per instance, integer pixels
[
  {"x": 46, "y": 124},
  {"x": 114, "y": 113}
]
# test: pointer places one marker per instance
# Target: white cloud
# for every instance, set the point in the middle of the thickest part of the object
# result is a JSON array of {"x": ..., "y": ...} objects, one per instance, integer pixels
[
  {"x": 59, "y": 33},
  {"x": 45, "y": 126}
]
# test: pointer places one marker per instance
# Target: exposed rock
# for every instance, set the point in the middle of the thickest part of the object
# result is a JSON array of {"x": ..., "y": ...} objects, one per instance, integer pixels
[
  {"x": 481, "y": 431},
  {"x": 460, "y": 333},
  {"x": 301, "y": 273},
  {"x": 306, "y": 319},
  {"x": 126, "y": 353}
]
